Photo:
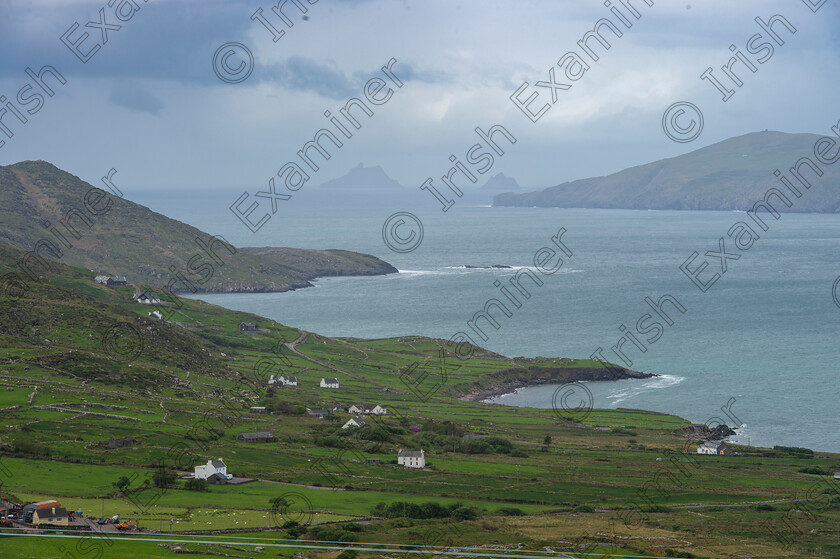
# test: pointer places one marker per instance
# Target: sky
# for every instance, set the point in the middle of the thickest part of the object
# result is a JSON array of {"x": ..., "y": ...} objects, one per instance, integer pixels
[{"x": 149, "y": 103}]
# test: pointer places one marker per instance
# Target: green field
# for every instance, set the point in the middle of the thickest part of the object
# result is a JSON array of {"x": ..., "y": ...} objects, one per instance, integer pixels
[{"x": 625, "y": 478}]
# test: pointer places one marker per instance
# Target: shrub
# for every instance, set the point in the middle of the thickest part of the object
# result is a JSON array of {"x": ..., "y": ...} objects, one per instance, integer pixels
[
  {"x": 511, "y": 511},
  {"x": 583, "y": 508},
  {"x": 815, "y": 470},
  {"x": 465, "y": 513},
  {"x": 764, "y": 506},
  {"x": 196, "y": 484}
]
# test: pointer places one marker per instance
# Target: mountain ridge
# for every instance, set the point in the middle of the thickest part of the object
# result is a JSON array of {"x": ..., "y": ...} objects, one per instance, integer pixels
[
  {"x": 728, "y": 175},
  {"x": 61, "y": 217}
]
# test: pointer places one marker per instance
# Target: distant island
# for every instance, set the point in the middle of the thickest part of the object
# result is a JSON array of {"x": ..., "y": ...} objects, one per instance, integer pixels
[
  {"x": 729, "y": 175},
  {"x": 64, "y": 218},
  {"x": 501, "y": 182},
  {"x": 363, "y": 178}
]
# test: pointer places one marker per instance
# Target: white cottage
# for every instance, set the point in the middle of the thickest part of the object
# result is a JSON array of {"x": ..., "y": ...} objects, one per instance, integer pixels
[
  {"x": 368, "y": 409},
  {"x": 148, "y": 298},
  {"x": 210, "y": 468},
  {"x": 714, "y": 448},
  {"x": 329, "y": 383},
  {"x": 283, "y": 380},
  {"x": 354, "y": 422},
  {"x": 411, "y": 458}
]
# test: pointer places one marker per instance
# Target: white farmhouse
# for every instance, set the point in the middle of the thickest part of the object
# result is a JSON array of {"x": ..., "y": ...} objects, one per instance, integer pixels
[
  {"x": 148, "y": 298},
  {"x": 283, "y": 380},
  {"x": 354, "y": 422},
  {"x": 367, "y": 409},
  {"x": 411, "y": 458},
  {"x": 329, "y": 383},
  {"x": 715, "y": 448},
  {"x": 210, "y": 468}
]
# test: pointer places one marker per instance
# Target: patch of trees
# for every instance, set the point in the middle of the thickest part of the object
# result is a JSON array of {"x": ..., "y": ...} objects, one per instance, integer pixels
[
  {"x": 490, "y": 445},
  {"x": 795, "y": 451},
  {"x": 431, "y": 509},
  {"x": 196, "y": 484}
]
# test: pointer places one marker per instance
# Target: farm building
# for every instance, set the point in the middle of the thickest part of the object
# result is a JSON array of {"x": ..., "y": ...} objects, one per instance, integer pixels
[
  {"x": 411, "y": 458},
  {"x": 715, "y": 448},
  {"x": 258, "y": 409},
  {"x": 283, "y": 380},
  {"x": 329, "y": 383},
  {"x": 354, "y": 422},
  {"x": 374, "y": 409},
  {"x": 211, "y": 467},
  {"x": 320, "y": 414},
  {"x": 262, "y": 437},
  {"x": 51, "y": 515},
  {"x": 247, "y": 326},
  {"x": 116, "y": 281},
  {"x": 156, "y": 314},
  {"x": 147, "y": 298}
]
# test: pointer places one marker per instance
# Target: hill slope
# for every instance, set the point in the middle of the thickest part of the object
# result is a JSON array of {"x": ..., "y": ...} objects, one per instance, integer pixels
[
  {"x": 729, "y": 175},
  {"x": 114, "y": 236}
]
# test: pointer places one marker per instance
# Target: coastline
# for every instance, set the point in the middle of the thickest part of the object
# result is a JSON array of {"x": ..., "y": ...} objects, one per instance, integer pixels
[{"x": 480, "y": 393}]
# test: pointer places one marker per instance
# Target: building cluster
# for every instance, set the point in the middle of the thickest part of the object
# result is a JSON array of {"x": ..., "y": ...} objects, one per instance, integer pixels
[{"x": 111, "y": 281}]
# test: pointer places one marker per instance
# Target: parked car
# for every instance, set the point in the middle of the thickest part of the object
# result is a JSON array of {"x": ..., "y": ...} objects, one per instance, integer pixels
[{"x": 229, "y": 476}]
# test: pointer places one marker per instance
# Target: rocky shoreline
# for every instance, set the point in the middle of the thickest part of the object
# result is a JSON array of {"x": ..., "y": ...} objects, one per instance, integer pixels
[{"x": 592, "y": 374}]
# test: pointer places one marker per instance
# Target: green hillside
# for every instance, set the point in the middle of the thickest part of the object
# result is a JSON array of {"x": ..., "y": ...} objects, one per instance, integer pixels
[
  {"x": 729, "y": 175},
  {"x": 111, "y": 235},
  {"x": 81, "y": 363}
]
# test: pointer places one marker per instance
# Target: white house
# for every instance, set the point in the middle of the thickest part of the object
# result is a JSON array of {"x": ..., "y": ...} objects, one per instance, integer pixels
[
  {"x": 354, "y": 422},
  {"x": 716, "y": 448},
  {"x": 367, "y": 409},
  {"x": 836, "y": 475},
  {"x": 156, "y": 314},
  {"x": 329, "y": 383},
  {"x": 148, "y": 298},
  {"x": 210, "y": 468},
  {"x": 283, "y": 380},
  {"x": 411, "y": 458},
  {"x": 101, "y": 279}
]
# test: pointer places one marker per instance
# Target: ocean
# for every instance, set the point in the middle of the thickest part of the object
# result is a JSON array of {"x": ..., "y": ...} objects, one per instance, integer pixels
[{"x": 761, "y": 342}]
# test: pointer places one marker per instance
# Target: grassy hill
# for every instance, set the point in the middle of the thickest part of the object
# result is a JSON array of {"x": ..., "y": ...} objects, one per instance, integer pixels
[
  {"x": 729, "y": 175},
  {"x": 114, "y": 236},
  {"x": 81, "y": 362}
]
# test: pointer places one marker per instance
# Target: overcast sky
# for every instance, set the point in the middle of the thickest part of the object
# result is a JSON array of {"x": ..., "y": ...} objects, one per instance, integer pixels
[{"x": 149, "y": 104}]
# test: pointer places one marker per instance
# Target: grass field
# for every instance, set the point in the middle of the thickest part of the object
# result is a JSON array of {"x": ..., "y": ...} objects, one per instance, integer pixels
[{"x": 623, "y": 482}]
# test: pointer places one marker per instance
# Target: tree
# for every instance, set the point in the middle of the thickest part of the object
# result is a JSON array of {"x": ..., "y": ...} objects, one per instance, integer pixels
[
  {"x": 279, "y": 503},
  {"x": 547, "y": 440},
  {"x": 163, "y": 477},
  {"x": 196, "y": 484},
  {"x": 121, "y": 484}
]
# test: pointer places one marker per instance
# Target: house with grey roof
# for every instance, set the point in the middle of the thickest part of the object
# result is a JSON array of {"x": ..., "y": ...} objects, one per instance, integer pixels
[
  {"x": 714, "y": 448},
  {"x": 411, "y": 458},
  {"x": 261, "y": 437},
  {"x": 354, "y": 422},
  {"x": 211, "y": 467},
  {"x": 329, "y": 383}
]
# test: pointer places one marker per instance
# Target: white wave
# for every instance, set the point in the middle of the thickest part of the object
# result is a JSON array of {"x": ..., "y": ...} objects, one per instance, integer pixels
[{"x": 634, "y": 387}]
